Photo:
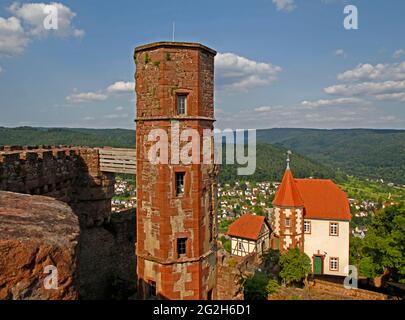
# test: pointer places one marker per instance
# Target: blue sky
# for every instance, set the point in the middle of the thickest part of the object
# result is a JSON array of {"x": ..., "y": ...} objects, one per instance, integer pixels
[{"x": 281, "y": 63}]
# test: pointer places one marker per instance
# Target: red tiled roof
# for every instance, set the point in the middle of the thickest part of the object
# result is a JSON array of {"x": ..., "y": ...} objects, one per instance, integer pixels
[
  {"x": 247, "y": 226},
  {"x": 287, "y": 194},
  {"x": 323, "y": 199}
]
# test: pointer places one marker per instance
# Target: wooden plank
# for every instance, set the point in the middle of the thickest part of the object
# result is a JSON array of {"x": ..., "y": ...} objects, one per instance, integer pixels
[{"x": 118, "y": 160}]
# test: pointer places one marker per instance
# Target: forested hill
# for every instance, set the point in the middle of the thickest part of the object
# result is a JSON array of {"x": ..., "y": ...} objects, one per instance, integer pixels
[
  {"x": 361, "y": 152},
  {"x": 120, "y": 138},
  {"x": 270, "y": 162}
]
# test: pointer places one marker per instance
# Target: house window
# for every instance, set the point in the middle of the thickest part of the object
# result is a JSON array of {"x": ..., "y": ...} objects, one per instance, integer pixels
[
  {"x": 181, "y": 104},
  {"x": 287, "y": 222},
  {"x": 240, "y": 245},
  {"x": 152, "y": 289},
  {"x": 181, "y": 247},
  {"x": 334, "y": 264},
  {"x": 179, "y": 183},
  {"x": 307, "y": 226},
  {"x": 334, "y": 229}
]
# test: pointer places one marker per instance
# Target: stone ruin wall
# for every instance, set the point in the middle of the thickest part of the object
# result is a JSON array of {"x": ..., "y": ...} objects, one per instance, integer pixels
[
  {"x": 72, "y": 175},
  {"x": 231, "y": 273}
]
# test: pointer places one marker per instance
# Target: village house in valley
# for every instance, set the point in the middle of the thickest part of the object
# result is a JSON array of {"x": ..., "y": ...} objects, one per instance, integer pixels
[
  {"x": 249, "y": 234},
  {"x": 310, "y": 214},
  {"x": 313, "y": 215}
]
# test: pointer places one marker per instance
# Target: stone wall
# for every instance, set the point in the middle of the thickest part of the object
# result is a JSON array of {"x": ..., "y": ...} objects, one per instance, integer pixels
[
  {"x": 72, "y": 175},
  {"x": 231, "y": 273},
  {"x": 37, "y": 232}
]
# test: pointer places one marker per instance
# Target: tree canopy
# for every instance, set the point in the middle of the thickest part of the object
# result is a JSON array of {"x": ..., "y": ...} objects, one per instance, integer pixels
[
  {"x": 295, "y": 266},
  {"x": 384, "y": 244}
]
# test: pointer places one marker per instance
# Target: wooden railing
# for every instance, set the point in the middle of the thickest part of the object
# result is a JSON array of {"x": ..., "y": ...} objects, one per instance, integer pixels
[{"x": 118, "y": 160}]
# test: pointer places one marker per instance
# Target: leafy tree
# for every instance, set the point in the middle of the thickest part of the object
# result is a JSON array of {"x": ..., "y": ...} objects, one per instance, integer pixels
[
  {"x": 356, "y": 247},
  {"x": 255, "y": 287},
  {"x": 295, "y": 266},
  {"x": 384, "y": 244}
]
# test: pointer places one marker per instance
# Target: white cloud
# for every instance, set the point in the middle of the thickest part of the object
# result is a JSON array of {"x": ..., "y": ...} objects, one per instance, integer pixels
[
  {"x": 285, "y": 5},
  {"x": 116, "y": 116},
  {"x": 18, "y": 31},
  {"x": 332, "y": 102},
  {"x": 398, "y": 53},
  {"x": 400, "y": 96},
  {"x": 239, "y": 73},
  {"x": 86, "y": 97},
  {"x": 33, "y": 15},
  {"x": 121, "y": 87},
  {"x": 366, "y": 88},
  {"x": 13, "y": 39},
  {"x": 1, "y": 70},
  {"x": 368, "y": 72},
  {"x": 263, "y": 109},
  {"x": 119, "y": 108},
  {"x": 340, "y": 53}
]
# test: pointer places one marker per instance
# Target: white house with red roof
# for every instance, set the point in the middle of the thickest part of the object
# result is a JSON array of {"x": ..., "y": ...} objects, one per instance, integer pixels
[
  {"x": 249, "y": 234},
  {"x": 313, "y": 215}
]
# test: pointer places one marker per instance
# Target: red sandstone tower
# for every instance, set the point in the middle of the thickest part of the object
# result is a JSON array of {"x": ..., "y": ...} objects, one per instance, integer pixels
[
  {"x": 288, "y": 216},
  {"x": 176, "y": 218}
]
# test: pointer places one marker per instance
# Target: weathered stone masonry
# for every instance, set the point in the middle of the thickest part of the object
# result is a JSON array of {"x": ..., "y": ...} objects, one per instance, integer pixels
[
  {"x": 72, "y": 175},
  {"x": 165, "y": 70}
]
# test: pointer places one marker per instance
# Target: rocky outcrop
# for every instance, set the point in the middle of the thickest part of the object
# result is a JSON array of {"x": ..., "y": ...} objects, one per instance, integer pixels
[{"x": 38, "y": 236}]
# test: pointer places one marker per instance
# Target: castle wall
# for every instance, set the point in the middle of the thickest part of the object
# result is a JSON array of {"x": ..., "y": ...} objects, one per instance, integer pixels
[{"x": 72, "y": 175}]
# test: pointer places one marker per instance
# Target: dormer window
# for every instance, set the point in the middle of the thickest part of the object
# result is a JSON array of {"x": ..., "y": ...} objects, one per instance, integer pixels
[{"x": 181, "y": 104}]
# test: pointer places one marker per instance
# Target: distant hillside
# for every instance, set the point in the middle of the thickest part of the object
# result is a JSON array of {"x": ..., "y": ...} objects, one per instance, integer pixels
[
  {"x": 361, "y": 152},
  {"x": 270, "y": 159},
  {"x": 54, "y": 136},
  {"x": 271, "y": 163}
]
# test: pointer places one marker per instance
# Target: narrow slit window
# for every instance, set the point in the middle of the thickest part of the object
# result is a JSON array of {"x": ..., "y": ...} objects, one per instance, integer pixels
[
  {"x": 181, "y": 104},
  {"x": 152, "y": 288},
  {"x": 180, "y": 183},
  {"x": 181, "y": 247}
]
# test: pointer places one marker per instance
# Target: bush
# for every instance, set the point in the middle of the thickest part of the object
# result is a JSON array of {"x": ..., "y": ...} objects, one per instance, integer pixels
[
  {"x": 295, "y": 266},
  {"x": 272, "y": 286},
  {"x": 255, "y": 287}
]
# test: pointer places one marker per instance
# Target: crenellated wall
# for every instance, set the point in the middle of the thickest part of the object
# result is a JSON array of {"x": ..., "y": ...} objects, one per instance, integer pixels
[
  {"x": 73, "y": 175},
  {"x": 68, "y": 174}
]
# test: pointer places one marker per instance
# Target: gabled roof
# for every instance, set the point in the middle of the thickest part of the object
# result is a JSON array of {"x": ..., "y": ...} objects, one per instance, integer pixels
[
  {"x": 247, "y": 226},
  {"x": 323, "y": 199},
  {"x": 287, "y": 194}
]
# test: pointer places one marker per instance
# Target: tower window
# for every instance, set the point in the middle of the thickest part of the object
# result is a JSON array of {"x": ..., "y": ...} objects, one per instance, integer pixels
[
  {"x": 181, "y": 104},
  {"x": 181, "y": 246},
  {"x": 287, "y": 222},
  {"x": 152, "y": 289},
  {"x": 180, "y": 183}
]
